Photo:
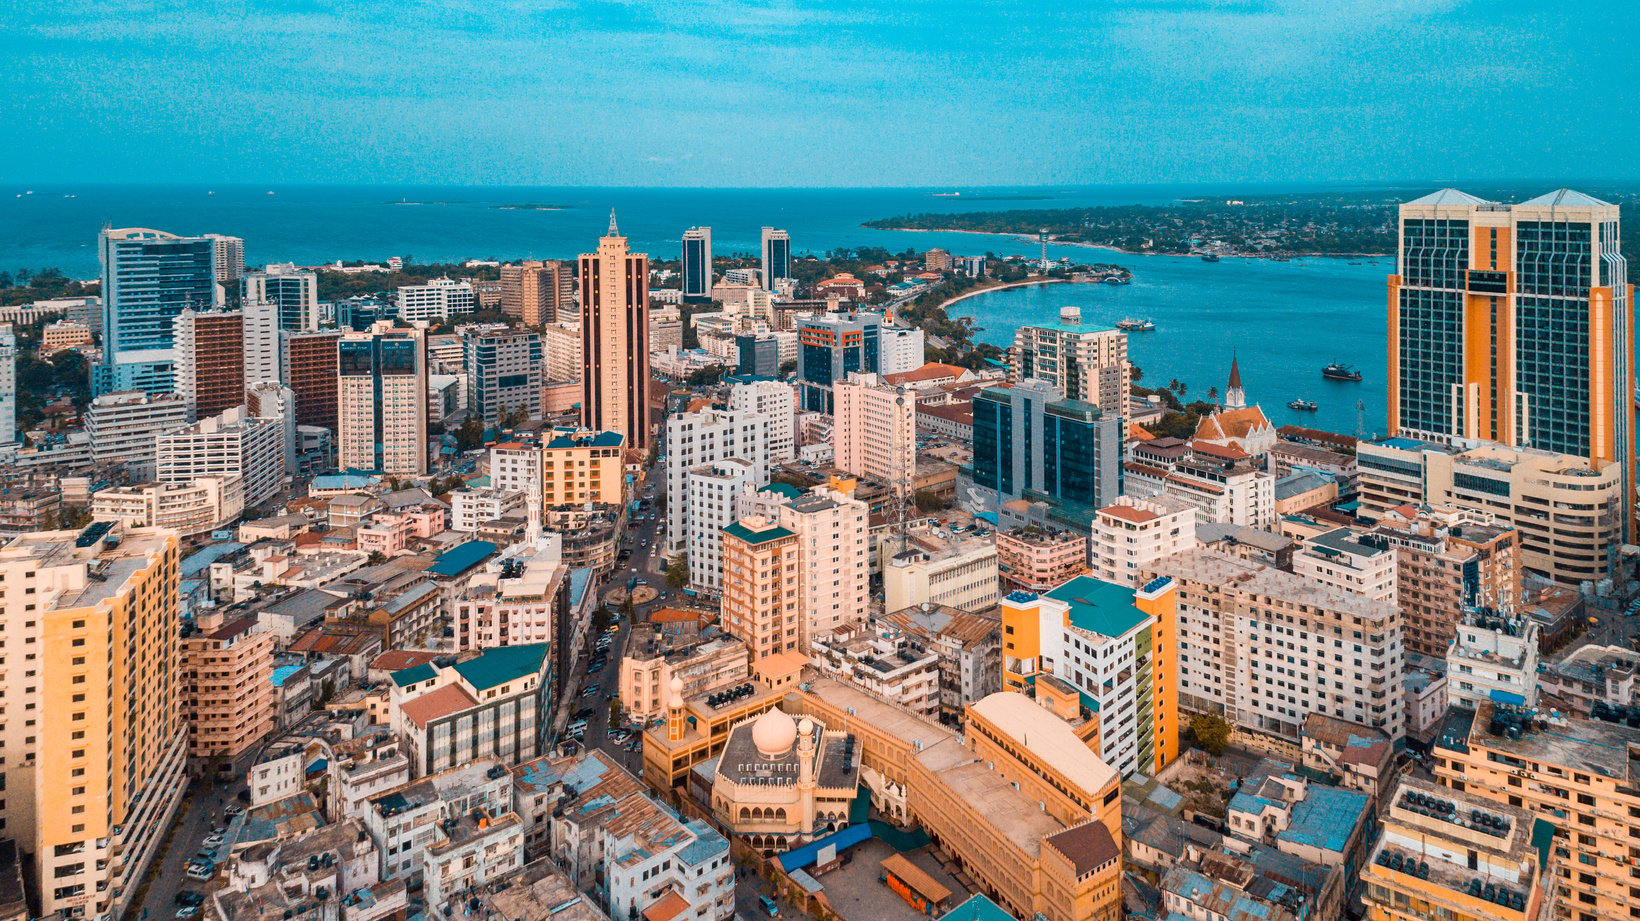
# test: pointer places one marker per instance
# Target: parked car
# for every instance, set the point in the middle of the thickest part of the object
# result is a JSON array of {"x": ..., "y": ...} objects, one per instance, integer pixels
[
  {"x": 215, "y": 839},
  {"x": 187, "y": 911}
]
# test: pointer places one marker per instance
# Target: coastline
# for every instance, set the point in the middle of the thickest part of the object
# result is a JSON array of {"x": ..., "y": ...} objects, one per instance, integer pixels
[
  {"x": 1013, "y": 284},
  {"x": 1030, "y": 238}
]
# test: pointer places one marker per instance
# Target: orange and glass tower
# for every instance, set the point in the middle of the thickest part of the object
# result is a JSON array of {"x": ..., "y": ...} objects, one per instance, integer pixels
[{"x": 1514, "y": 324}]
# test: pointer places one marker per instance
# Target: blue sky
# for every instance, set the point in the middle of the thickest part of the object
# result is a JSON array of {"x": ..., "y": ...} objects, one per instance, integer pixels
[{"x": 876, "y": 92}]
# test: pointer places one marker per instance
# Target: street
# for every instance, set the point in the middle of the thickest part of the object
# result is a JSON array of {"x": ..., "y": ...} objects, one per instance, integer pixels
[{"x": 201, "y": 812}]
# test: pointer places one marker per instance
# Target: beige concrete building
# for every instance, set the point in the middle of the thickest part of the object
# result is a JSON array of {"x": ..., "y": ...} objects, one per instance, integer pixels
[
  {"x": 1447, "y": 560},
  {"x": 615, "y": 340},
  {"x": 190, "y": 509},
  {"x": 958, "y": 572},
  {"x": 94, "y": 756},
  {"x": 382, "y": 401},
  {"x": 879, "y": 659},
  {"x": 1131, "y": 534},
  {"x": 228, "y": 697},
  {"x": 1433, "y": 860},
  {"x": 834, "y": 574},
  {"x": 967, "y": 649},
  {"x": 1566, "y": 512},
  {"x": 537, "y": 292},
  {"x": 648, "y": 669},
  {"x": 1266, "y": 648},
  {"x": 1341, "y": 559},
  {"x": 1036, "y": 558},
  {"x": 1084, "y": 362},
  {"x": 561, "y": 345},
  {"x": 874, "y": 430},
  {"x": 1577, "y": 775},
  {"x": 761, "y": 560}
]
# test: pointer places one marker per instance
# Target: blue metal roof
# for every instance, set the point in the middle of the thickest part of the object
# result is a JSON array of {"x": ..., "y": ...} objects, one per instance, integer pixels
[
  {"x": 977, "y": 908},
  {"x": 1325, "y": 818},
  {"x": 415, "y": 673},
  {"x": 1100, "y": 607},
  {"x": 459, "y": 559},
  {"x": 499, "y": 666}
]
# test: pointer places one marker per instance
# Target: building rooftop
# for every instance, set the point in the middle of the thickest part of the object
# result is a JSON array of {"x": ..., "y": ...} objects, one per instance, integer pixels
[
  {"x": 437, "y": 704},
  {"x": 1046, "y": 737},
  {"x": 740, "y": 532},
  {"x": 539, "y": 891},
  {"x": 1088, "y": 846},
  {"x": 496, "y": 667},
  {"x": 459, "y": 559},
  {"x": 1101, "y": 607},
  {"x": 1600, "y": 747},
  {"x": 1325, "y": 818}
]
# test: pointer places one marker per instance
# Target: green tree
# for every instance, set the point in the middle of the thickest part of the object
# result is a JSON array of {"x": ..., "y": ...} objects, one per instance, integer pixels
[
  {"x": 471, "y": 434},
  {"x": 1211, "y": 732},
  {"x": 677, "y": 571}
]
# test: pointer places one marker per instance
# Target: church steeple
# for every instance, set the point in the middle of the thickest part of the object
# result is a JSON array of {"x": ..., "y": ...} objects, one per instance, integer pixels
[{"x": 1234, "y": 396}]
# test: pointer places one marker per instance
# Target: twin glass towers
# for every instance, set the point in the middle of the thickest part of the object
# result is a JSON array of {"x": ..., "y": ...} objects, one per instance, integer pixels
[{"x": 1514, "y": 324}]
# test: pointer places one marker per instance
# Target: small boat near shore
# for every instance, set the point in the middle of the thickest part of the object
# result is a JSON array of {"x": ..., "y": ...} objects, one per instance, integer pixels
[
  {"x": 1210, "y": 257},
  {"x": 1135, "y": 326},
  {"x": 1302, "y": 405}
]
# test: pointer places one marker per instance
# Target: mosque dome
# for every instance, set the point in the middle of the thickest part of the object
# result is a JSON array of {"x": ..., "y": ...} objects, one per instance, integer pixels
[
  {"x": 675, "y": 699},
  {"x": 773, "y": 733}
]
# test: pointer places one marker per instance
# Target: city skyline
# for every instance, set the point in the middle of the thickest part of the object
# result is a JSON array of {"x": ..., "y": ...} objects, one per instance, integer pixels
[{"x": 1189, "y": 91}]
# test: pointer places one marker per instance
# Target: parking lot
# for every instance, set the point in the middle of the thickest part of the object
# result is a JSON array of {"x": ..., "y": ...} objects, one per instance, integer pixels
[{"x": 856, "y": 894}]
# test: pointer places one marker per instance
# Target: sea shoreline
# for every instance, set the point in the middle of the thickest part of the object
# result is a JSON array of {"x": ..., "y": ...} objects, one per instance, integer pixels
[
  {"x": 1275, "y": 257},
  {"x": 1013, "y": 284}
]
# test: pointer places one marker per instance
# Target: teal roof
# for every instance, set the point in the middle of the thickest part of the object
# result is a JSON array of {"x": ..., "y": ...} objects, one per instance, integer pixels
[
  {"x": 741, "y": 532},
  {"x": 977, "y": 908},
  {"x": 1325, "y": 818},
  {"x": 598, "y": 440},
  {"x": 783, "y": 489},
  {"x": 413, "y": 674},
  {"x": 459, "y": 559},
  {"x": 1100, "y": 607},
  {"x": 499, "y": 666}
]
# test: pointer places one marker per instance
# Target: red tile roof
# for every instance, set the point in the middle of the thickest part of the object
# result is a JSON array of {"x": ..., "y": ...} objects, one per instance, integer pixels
[{"x": 437, "y": 704}]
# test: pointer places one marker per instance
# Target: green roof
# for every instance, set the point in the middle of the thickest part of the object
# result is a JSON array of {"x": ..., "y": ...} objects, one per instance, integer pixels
[
  {"x": 1099, "y": 607},
  {"x": 741, "y": 532},
  {"x": 597, "y": 440},
  {"x": 783, "y": 489},
  {"x": 499, "y": 666},
  {"x": 408, "y": 676}
]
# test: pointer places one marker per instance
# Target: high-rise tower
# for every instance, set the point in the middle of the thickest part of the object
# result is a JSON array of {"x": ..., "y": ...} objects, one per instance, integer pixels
[
  {"x": 615, "y": 340},
  {"x": 148, "y": 277},
  {"x": 1514, "y": 324},
  {"x": 382, "y": 401},
  {"x": 777, "y": 256},
  {"x": 697, "y": 264}
]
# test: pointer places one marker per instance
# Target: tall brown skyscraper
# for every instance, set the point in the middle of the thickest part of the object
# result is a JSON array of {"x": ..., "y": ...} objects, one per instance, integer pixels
[
  {"x": 615, "y": 340},
  {"x": 210, "y": 366},
  {"x": 310, "y": 371}
]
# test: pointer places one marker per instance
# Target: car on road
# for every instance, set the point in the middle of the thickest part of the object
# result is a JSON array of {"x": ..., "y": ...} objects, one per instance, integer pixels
[
  {"x": 200, "y": 871},
  {"x": 215, "y": 839},
  {"x": 232, "y": 810},
  {"x": 770, "y": 906},
  {"x": 187, "y": 911},
  {"x": 190, "y": 897},
  {"x": 591, "y": 690}
]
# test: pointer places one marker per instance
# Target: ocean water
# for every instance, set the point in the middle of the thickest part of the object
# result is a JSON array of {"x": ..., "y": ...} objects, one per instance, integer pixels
[{"x": 1285, "y": 320}]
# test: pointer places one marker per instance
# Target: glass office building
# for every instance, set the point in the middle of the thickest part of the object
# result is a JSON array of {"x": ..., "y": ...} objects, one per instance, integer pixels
[
  {"x": 1031, "y": 441},
  {"x": 148, "y": 278}
]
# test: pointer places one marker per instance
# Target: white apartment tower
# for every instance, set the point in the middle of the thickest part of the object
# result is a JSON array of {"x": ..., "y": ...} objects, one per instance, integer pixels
[
  {"x": 1131, "y": 534},
  {"x": 233, "y": 443},
  {"x": 712, "y": 490},
  {"x": 1087, "y": 363},
  {"x": 8, "y": 385},
  {"x": 706, "y": 437},
  {"x": 777, "y": 401},
  {"x": 439, "y": 299}
]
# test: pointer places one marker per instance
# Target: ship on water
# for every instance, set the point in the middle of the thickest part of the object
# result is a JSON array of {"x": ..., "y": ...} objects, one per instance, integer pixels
[
  {"x": 1135, "y": 326},
  {"x": 1210, "y": 257},
  {"x": 1302, "y": 405},
  {"x": 1338, "y": 371}
]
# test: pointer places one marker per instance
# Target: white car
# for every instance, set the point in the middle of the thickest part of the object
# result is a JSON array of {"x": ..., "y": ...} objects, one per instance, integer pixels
[
  {"x": 200, "y": 871},
  {"x": 215, "y": 840},
  {"x": 187, "y": 911}
]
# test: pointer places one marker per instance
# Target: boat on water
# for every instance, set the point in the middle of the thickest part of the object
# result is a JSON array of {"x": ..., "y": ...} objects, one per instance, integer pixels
[
  {"x": 1117, "y": 280},
  {"x": 947, "y": 194},
  {"x": 1338, "y": 371},
  {"x": 1304, "y": 405},
  {"x": 1210, "y": 257},
  {"x": 1135, "y": 326}
]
